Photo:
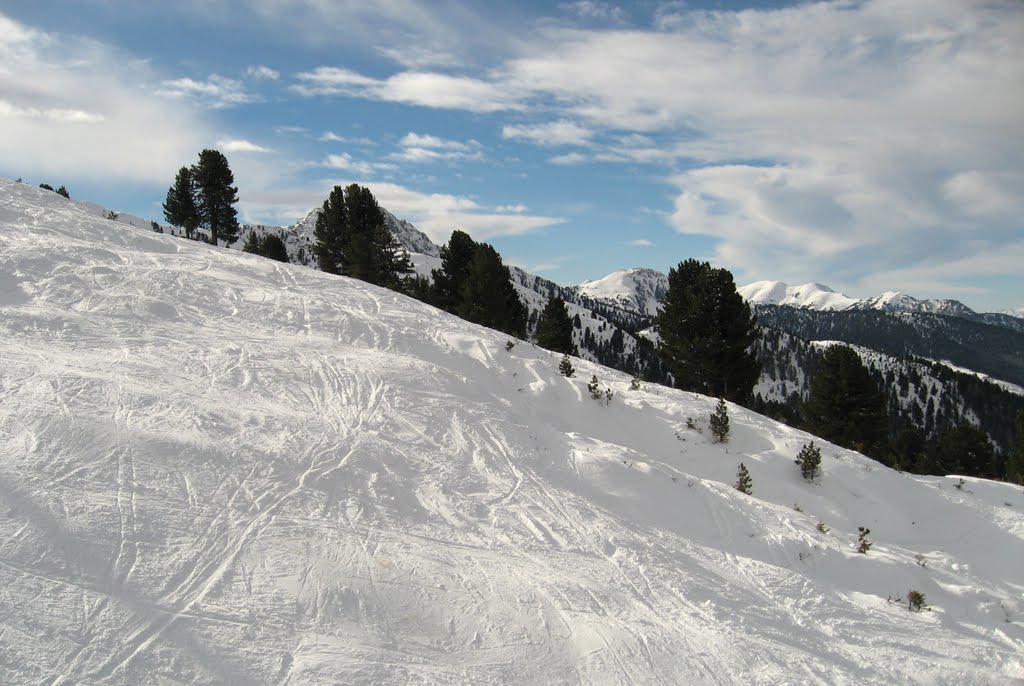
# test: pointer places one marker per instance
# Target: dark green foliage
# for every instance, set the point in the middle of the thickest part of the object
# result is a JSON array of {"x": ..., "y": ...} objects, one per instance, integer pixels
[
  {"x": 63, "y": 191},
  {"x": 845, "y": 405},
  {"x": 180, "y": 206},
  {"x": 593, "y": 387},
  {"x": 46, "y": 186},
  {"x": 216, "y": 196},
  {"x": 863, "y": 544},
  {"x": 1015, "y": 459},
  {"x": 274, "y": 248},
  {"x": 565, "y": 367},
  {"x": 269, "y": 245},
  {"x": 509, "y": 345},
  {"x": 419, "y": 287},
  {"x": 330, "y": 231},
  {"x": 916, "y": 601},
  {"x": 744, "y": 484},
  {"x": 964, "y": 450},
  {"x": 554, "y": 328},
  {"x": 352, "y": 239},
  {"x": 488, "y": 296},
  {"x": 706, "y": 332},
  {"x": 906, "y": 450},
  {"x": 449, "y": 280},
  {"x": 720, "y": 422},
  {"x": 809, "y": 459},
  {"x": 967, "y": 342}
]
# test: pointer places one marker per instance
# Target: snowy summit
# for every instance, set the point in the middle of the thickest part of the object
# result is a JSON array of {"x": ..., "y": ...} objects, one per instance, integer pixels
[{"x": 217, "y": 468}]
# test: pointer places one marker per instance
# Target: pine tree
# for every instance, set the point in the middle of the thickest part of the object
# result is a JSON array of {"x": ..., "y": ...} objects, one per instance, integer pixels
[
  {"x": 707, "y": 332},
  {"x": 845, "y": 405},
  {"x": 744, "y": 484},
  {"x": 456, "y": 258},
  {"x": 594, "y": 388},
  {"x": 352, "y": 239},
  {"x": 270, "y": 246},
  {"x": 554, "y": 328},
  {"x": 720, "y": 422},
  {"x": 63, "y": 191},
  {"x": 216, "y": 196},
  {"x": 180, "y": 206},
  {"x": 252, "y": 243},
  {"x": 966, "y": 450},
  {"x": 488, "y": 296},
  {"x": 274, "y": 248},
  {"x": 1015, "y": 458},
  {"x": 329, "y": 232},
  {"x": 809, "y": 459},
  {"x": 565, "y": 367},
  {"x": 863, "y": 544}
]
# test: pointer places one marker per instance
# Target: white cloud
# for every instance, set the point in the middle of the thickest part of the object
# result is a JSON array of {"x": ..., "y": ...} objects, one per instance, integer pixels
[
  {"x": 216, "y": 91},
  {"x": 518, "y": 208},
  {"x": 862, "y": 165},
  {"x": 568, "y": 159},
  {"x": 240, "y": 145},
  {"x": 57, "y": 115},
  {"x": 71, "y": 108},
  {"x": 427, "y": 148},
  {"x": 425, "y": 89},
  {"x": 330, "y": 136},
  {"x": 363, "y": 168},
  {"x": 639, "y": 243},
  {"x": 261, "y": 71},
  {"x": 562, "y": 132}
]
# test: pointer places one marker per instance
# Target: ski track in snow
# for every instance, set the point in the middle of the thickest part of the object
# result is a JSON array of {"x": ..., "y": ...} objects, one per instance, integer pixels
[{"x": 215, "y": 468}]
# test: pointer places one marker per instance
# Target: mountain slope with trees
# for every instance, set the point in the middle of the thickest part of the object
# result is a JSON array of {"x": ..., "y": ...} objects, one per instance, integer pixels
[{"x": 225, "y": 469}]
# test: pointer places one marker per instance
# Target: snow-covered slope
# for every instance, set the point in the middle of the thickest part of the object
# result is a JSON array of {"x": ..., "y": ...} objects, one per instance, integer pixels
[
  {"x": 216, "y": 468},
  {"x": 637, "y": 289},
  {"x": 810, "y": 295}
]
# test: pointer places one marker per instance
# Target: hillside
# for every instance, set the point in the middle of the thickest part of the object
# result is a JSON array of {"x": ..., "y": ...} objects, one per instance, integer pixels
[{"x": 218, "y": 468}]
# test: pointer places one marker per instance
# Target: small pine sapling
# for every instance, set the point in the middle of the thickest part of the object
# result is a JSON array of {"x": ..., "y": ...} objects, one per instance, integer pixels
[
  {"x": 916, "y": 601},
  {"x": 608, "y": 394},
  {"x": 509, "y": 345},
  {"x": 744, "y": 484},
  {"x": 823, "y": 528},
  {"x": 634, "y": 385},
  {"x": 863, "y": 544},
  {"x": 565, "y": 368},
  {"x": 720, "y": 422},
  {"x": 595, "y": 392},
  {"x": 809, "y": 459}
]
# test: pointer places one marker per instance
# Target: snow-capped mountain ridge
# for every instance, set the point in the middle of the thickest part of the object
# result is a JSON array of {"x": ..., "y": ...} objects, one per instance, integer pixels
[
  {"x": 637, "y": 289},
  {"x": 218, "y": 468}
]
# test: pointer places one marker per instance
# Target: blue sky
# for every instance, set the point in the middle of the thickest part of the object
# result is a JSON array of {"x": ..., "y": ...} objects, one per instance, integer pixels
[{"x": 868, "y": 145}]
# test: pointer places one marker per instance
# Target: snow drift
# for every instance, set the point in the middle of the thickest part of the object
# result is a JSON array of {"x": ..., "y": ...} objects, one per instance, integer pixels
[{"x": 216, "y": 468}]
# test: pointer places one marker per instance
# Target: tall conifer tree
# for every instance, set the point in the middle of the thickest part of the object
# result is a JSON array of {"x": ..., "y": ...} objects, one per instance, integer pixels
[
  {"x": 554, "y": 327},
  {"x": 845, "y": 405},
  {"x": 707, "y": 332},
  {"x": 216, "y": 196},
  {"x": 180, "y": 205}
]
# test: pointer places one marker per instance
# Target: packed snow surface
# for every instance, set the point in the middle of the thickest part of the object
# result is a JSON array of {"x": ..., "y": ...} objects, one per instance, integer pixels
[{"x": 216, "y": 468}]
